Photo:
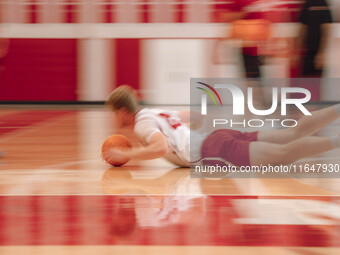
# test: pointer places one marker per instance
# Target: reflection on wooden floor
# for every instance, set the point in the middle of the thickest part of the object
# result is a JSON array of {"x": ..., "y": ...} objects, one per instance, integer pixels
[
  {"x": 53, "y": 161},
  {"x": 282, "y": 221}
]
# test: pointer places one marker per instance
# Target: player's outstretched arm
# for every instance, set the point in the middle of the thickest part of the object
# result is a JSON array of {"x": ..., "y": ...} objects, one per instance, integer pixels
[{"x": 157, "y": 148}]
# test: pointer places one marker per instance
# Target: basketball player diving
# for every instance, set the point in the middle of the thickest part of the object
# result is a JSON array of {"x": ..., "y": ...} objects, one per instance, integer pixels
[{"x": 164, "y": 133}]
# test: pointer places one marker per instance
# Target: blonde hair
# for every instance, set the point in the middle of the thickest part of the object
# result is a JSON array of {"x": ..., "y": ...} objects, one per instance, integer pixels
[{"x": 123, "y": 96}]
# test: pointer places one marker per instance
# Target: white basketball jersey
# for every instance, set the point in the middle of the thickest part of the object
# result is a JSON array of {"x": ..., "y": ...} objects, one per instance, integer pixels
[{"x": 150, "y": 121}]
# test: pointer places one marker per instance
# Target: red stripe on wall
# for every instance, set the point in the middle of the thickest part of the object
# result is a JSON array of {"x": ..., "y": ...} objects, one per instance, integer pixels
[
  {"x": 71, "y": 11},
  {"x": 39, "y": 70},
  {"x": 127, "y": 64},
  {"x": 288, "y": 11},
  {"x": 33, "y": 10},
  {"x": 180, "y": 9},
  {"x": 107, "y": 10},
  {"x": 145, "y": 12}
]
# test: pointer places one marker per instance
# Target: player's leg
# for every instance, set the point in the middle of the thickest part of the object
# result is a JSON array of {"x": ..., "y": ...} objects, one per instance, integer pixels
[
  {"x": 252, "y": 70},
  {"x": 307, "y": 125},
  {"x": 262, "y": 153}
]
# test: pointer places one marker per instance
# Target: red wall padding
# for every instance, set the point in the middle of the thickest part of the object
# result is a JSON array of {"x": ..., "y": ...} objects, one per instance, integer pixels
[
  {"x": 127, "y": 53},
  {"x": 39, "y": 70}
]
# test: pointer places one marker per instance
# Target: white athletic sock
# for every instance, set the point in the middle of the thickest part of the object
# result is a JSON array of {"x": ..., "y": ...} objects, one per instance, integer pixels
[
  {"x": 335, "y": 142},
  {"x": 337, "y": 109}
]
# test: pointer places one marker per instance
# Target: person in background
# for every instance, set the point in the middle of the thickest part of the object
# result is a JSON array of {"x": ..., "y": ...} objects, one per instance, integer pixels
[
  {"x": 312, "y": 41},
  {"x": 249, "y": 24}
]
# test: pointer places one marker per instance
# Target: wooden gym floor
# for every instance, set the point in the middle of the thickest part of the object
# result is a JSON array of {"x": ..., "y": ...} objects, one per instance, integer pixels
[{"x": 59, "y": 197}]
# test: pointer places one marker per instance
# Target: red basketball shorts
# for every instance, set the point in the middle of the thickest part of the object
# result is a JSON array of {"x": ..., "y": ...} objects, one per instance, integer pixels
[{"x": 229, "y": 145}]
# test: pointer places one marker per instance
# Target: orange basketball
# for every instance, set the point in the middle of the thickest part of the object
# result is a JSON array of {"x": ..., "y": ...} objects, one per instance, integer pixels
[{"x": 115, "y": 141}]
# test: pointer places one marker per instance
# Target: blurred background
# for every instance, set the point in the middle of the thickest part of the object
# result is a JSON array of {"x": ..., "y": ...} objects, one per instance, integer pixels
[
  {"x": 79, "y": 50},
  {"x": 56, "y": 190}
]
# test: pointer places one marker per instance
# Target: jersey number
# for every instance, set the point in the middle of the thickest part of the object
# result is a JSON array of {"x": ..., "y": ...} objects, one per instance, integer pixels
[{"x": 172, "y": 121}]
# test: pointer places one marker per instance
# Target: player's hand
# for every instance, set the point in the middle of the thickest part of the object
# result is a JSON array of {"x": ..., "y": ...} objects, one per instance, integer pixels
[{"x": 116, "y": 155}]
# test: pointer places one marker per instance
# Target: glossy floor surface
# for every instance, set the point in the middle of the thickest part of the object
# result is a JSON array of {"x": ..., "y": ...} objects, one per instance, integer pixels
[{"x": 59, "y": 197}]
